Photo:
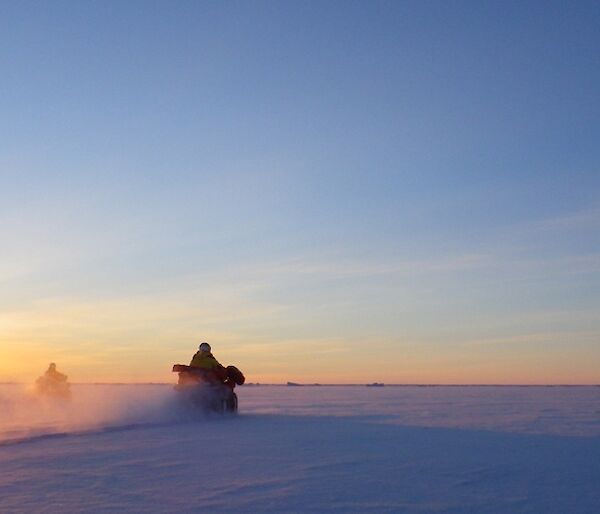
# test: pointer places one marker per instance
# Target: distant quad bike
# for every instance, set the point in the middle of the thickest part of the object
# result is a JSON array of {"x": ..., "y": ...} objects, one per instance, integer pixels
[
  {"x": 209, "y": 390},
  {"x": 50, "y": 388}
]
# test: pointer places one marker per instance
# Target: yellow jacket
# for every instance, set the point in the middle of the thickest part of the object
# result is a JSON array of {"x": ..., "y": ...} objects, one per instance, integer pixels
[{"x": 204, "y": 360}]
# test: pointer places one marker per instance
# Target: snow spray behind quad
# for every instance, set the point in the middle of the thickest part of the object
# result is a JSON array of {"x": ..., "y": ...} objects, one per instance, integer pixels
[{"x": 91, "y": 407}]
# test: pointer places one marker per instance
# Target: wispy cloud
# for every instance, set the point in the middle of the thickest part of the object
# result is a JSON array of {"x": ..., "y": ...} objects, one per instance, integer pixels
[
  {"x": 341, "y": 266},
  {"x": 582, "y": 219},
  {"x": 572, "y": 337}
]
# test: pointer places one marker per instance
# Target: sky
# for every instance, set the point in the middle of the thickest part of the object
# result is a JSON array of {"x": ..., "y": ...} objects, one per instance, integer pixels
[{"x": 332, "y": 192}]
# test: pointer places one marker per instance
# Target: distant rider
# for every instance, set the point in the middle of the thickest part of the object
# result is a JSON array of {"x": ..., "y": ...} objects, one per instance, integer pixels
[
  {"x": 53, "y": 383},
  {"x": 53, "y": 374}
]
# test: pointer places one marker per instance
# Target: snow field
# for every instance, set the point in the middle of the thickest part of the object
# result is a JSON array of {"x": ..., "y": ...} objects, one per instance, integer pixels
[{"x": 312, "y": 449}]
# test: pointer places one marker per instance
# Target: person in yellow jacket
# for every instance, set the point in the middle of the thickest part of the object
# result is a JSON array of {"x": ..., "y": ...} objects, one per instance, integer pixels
[{"x": 204, "y": 359}]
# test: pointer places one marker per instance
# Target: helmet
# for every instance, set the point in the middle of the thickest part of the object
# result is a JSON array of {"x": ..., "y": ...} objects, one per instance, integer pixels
[{"x": 204, "y": 347}]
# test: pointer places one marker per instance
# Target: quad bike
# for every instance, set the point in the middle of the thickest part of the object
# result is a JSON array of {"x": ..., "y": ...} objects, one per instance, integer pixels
[
  {"x": 210, "y": 390},
  {"x": 48, "y": 387}
]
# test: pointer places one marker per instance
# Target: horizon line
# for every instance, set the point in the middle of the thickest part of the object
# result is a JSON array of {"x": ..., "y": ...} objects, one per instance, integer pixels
[{"x": 297, "y": 384}]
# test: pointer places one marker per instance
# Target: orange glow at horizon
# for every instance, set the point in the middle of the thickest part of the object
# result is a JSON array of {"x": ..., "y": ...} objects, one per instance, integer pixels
[
  {"x": 122, "y": 341},
  {"x": 24, "y": 364}
]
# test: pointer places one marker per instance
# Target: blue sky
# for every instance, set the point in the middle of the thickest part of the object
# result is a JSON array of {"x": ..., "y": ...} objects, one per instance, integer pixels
[{"x": 412, "y": 182}]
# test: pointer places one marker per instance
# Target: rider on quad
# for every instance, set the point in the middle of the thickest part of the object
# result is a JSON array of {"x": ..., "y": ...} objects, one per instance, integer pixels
[
  {"x": 53, "y": 383},
  {"x": 53, "y": 374},
  {"x": 204, "y": 359}
]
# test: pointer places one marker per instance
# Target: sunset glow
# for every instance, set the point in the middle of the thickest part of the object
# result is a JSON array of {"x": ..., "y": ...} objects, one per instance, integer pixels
[{"x": 385, "y": 192}]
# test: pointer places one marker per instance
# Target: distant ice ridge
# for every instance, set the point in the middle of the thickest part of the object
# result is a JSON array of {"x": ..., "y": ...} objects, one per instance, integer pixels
[{"x": 569, "y": 411}]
